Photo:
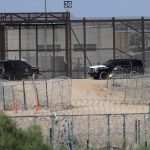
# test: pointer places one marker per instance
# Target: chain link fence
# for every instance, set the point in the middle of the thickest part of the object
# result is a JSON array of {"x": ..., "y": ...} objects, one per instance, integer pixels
[
  {"x": 114, "y": 122},
  {"x": 107, "y": 131}
]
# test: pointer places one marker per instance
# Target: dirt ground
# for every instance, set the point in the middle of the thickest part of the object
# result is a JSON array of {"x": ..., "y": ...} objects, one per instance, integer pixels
[
  {"x": 88, "y": 96},
  {"x": 86, "y": 103}
]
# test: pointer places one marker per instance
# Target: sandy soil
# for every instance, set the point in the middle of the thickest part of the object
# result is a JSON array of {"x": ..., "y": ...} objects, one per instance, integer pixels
[{"x": 85, "y": 96}]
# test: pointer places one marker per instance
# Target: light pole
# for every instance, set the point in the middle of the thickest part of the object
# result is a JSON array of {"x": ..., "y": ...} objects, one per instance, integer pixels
[{"x": 45, "y": 6}]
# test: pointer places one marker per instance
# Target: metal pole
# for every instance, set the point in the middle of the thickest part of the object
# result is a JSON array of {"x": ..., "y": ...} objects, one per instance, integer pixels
[
  {"x": 124, "y": 132},
  {"x": 45, "y": 6},
  {"x": 24, "y": 96},
  {"x": 145, "y": 136},
  {"x": 139, "y": 131},
  {"x": 36, "y": 34},
  {"x": 67, "y": 43},
  {"x": 108, "y": 132},
  {"x": 114, "y": 45},
  {"x": 54, "y": 65},
  {"x": 84, "y": 36},
  {"x": 46, "y": 93},
  {"x": 143, "y": 40},
  {"x": 88, "y": 138},
  {"x": 3, "y": 93},
  {"x": 19, "y": 42}
]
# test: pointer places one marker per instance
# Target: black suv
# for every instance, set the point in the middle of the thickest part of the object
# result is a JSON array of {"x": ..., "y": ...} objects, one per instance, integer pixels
[
  {"x": 17, "y": 69},
  {"x": 126, "y": 66}
]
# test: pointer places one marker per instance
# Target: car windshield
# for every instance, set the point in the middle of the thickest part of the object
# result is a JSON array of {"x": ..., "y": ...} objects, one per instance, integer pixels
[{"x": 108, "y": 63}]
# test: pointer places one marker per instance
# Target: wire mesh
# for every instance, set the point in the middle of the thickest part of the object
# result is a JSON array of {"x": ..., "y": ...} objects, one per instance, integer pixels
[{"x": 106, "y": 122}]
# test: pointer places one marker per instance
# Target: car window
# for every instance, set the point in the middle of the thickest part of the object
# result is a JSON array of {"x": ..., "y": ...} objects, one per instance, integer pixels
[
  {"x": 17, "y": 63},
  {"x": 109, "y": 63},
  {"x": 25, "y": 64},
  {"x": 8, "y": 64},
  {"x": 1, "y": 66},
  {"x": 136, "y": 63},
  {"x": 125, "y": 63},
  {"x": 20, "y": 64}
]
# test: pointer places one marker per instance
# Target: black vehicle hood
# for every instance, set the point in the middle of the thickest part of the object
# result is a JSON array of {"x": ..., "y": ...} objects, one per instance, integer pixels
[{"x": 35, "y": 69}]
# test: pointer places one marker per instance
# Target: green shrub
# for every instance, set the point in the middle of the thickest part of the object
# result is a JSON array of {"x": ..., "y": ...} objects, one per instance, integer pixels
[{"x": 13, "y": 138}]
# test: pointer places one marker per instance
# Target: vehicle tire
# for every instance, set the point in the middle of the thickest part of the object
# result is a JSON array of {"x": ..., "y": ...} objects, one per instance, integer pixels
[
  {"x": 118, "y": 70},
  {"x": 133, "y": 74},
  {"x": 35, "y": 75},
  {"x": 103, "y": 75},
  {"x": 11, "y": 77},
  {"x": 3, "y": 70},
  {"x": 95, "y": 78}
]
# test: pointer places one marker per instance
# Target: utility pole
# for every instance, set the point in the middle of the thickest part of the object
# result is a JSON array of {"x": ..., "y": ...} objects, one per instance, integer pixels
[{"x": 45, "y": 6}]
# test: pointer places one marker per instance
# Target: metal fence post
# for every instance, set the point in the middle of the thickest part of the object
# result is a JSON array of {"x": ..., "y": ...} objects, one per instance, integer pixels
[
  {"x": 35, "y": 89},
  {"x": 3, "y": 97},
  {"x": 145, "y": 136},
  {"x": 24, "y": 95},
  {"x": 70, "y": 136},
  {"x": 124, "y": 132},
  {"x": 52, "y": 129},
  {"x": 114, "y": 38},
  {"x": 137, "y": 131},
  {"x": 108, "y": 132},
  {"x": 46, "y": 93},
  {"x": 88, "y": 138}
]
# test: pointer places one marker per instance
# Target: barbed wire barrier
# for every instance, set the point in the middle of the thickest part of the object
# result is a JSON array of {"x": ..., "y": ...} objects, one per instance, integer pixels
[
  {"x": 52, "y": 94},
  {"x": 105, "y": 122},
  {"x": 136, "y": 89},
  {"x": 122, "y": 131}
]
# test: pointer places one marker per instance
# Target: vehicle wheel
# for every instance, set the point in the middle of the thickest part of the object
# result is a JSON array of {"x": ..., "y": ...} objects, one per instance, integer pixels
[
  {"x": 103, "y": 75},
  {"x": 3, "y": 70},
  {"x": 117, "y": 70},
  {"x": 11, "y": 77},
  {"x": 35, "y": 75},
  {"x": 133, "y": 74},
  {"x": 95, "y": 78}
]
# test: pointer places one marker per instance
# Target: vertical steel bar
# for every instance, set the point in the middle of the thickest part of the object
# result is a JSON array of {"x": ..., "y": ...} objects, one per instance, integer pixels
[
  {"x": 54, "y": 48},
  {"x": 70, "y": 48},
  {"x": 114, "y": 38},
  {"x": 46, "y": 93},
  {"x": 36, "y": 34},
  {"x": 143, "y": 40},
  {"x": 2, "y": 42},
  {"x": 84, "y": 51},
  {"x": 19, "y": 42},
  {"x": 66, "y": 45}
]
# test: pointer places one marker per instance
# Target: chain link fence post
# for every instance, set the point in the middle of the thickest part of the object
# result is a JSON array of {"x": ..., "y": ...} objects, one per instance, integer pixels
[
  {"x": 3, "y": 97},
  {"x": 124, "y": 132},
  {"x": 24, "y": 95},
  {"x": 108, "y": 132}
]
